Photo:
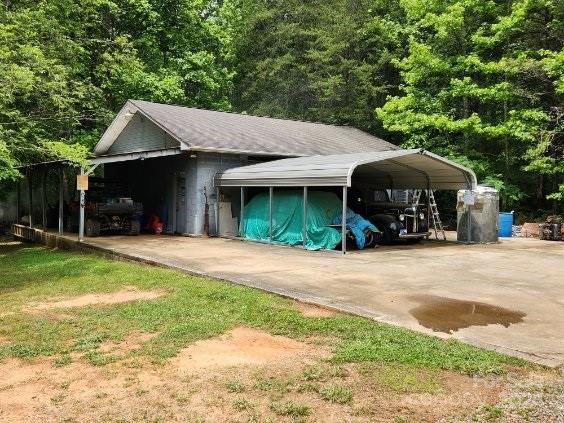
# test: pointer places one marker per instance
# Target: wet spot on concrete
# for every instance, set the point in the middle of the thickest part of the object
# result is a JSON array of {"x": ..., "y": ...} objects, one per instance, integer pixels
[{"x": 449, "y": 315}]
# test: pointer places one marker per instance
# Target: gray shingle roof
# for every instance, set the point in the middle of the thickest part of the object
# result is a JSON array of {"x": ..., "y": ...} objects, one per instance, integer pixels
[{"x": 222, "y": 131}]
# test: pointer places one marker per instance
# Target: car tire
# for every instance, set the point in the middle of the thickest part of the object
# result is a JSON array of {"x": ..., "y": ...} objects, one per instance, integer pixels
[
  {"x": 387, "y": 236},
  {"x": 92, "y": 227}
]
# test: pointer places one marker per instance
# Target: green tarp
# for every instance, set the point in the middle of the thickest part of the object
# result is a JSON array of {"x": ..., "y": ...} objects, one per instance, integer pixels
[{"x": 287, "y": 215}]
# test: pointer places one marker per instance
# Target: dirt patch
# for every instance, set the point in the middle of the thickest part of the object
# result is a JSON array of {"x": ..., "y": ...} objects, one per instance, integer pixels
[
  {"x": 130, "y": 343},
  {"x": 127, "y": 294},
  {"x": 240, "y": 346},
  {"x": 282, "y": 371},
  {"x": 311, "y": 310}
]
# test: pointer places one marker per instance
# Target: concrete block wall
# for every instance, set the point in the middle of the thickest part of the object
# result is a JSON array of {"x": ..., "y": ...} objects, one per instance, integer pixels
[{"x": 200, "y": 172}]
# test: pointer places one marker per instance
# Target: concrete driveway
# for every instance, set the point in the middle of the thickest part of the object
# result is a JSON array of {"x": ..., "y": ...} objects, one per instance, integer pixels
[{"x": 507, "y": 296}]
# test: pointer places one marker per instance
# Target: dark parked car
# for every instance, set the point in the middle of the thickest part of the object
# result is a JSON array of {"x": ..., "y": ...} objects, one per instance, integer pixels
[
  {"x": 398, "y": 220},
  {"x": 395, "y": 219}
]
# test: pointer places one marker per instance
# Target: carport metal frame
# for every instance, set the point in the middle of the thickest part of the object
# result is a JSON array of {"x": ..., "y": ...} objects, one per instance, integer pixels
[
  {"x": 29, "y": 175},
  {"x": 469, "y": 177},
  {"x": 304, "y": 214}
]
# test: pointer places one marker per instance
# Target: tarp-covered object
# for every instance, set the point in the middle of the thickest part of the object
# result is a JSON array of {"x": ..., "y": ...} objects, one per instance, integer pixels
[
  {"x": 287, "y": 217},
  {"x": 358, "y": 226}
]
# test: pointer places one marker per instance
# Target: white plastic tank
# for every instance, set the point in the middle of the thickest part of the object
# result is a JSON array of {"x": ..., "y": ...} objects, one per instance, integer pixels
[{"x": 477, "y": 215}]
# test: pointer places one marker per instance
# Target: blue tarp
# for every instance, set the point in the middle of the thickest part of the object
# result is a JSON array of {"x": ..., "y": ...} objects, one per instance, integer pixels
[{"x": 358, "y": 225}]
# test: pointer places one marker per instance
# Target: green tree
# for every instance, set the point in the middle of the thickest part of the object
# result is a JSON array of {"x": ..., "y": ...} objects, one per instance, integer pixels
[
  {"x": 328, "y": 61},
  {"x": 66, "y": 67},
  {"x": 482, "y": 83}
]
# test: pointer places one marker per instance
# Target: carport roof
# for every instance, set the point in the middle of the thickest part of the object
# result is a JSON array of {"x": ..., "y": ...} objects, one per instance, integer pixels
[{"x": 402, "y": 169}]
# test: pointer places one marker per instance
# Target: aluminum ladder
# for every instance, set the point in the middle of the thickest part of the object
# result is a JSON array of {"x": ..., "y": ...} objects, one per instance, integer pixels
[{"x": 437, "y": 224}]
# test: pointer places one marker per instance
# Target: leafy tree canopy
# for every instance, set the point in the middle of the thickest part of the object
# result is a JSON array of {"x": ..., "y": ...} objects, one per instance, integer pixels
[
  {"x": 66, "y": 66},
  {"x": 482, "y": 83},
  {"x": 479, "y": 81}
]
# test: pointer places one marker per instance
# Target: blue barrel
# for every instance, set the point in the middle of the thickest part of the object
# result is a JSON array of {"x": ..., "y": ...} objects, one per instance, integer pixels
[{"x": 505, "y": 224}]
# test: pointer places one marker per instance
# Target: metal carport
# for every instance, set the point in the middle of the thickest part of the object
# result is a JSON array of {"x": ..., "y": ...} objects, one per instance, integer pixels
[{"x": 398, "y": 169}]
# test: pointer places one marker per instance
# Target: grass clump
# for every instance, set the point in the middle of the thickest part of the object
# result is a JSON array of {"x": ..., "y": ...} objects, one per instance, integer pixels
[
  {"x": 290, "y": 408},
  {"x": 235, "y": 386},
  {"x": 491, "y": 413},
  {"x": 273, "y": 384},
  {"x": 241, "y": 404},
  {"x": 402, "y": 378},
  {"x": 98, "y": 359},
  {"x": 338, "y": 394},
  {"x": 62, "y": 360},
  {"x": 314, "y": 373}
]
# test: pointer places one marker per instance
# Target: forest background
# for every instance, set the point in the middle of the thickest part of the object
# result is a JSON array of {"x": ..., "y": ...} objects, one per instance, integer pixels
[{"x": 478, "y": 81}]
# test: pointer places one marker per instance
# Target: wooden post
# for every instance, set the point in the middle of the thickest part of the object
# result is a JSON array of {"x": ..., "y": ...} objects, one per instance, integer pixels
[
  {"x": 344, "y": 222},
  {"x": 82, "y": 205}
]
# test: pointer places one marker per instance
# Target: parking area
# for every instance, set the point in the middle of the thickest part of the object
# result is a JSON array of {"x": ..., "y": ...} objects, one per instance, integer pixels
[{"x": 507, "y": 296}]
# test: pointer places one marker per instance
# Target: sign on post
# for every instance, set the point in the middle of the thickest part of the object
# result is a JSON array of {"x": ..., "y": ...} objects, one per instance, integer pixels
[
  {"x": 469, "y": 198},
  {"x": 82, "y": 182}
]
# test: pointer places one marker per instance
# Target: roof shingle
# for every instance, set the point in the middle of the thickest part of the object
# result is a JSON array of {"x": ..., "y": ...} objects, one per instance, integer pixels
[{"x": 202, "y": 129}]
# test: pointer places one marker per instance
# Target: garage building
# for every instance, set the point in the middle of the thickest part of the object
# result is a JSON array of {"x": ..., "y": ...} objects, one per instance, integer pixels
[
  {"x": 197, "y": 169},
  {"x": 174, "y": 157}
]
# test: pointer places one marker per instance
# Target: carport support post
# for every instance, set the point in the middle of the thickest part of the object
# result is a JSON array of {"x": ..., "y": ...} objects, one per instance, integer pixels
[
  {"x": 304, "y": 219},
  {"x": 428, "y": 194},
  {"x": 270, "y": 192},
  {"x": 81, "y": 218},
  {"x": 469, "y": 224},
  {"x": 61, "y": 200},
  {"x": 344, "y": 222},
  {"x": 242, "y": 214}
]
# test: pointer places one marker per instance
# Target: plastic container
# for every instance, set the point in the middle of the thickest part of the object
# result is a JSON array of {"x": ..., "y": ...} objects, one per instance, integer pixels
[{"x": 505, "y": 224}]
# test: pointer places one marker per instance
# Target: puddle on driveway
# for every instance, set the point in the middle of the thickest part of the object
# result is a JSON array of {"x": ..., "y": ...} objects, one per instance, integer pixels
[{"x": 449, "y": 315}]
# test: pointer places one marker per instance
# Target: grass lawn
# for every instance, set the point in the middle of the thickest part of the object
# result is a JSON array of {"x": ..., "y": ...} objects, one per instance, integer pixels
[{"x": 360, "y": 357}]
